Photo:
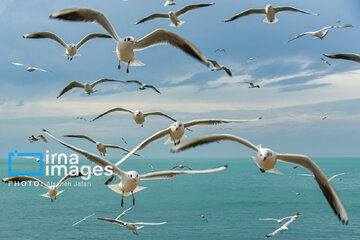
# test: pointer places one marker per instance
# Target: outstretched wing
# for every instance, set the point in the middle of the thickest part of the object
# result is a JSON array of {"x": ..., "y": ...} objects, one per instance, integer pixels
[
  {"x": 72, "y": 85},
  {"x": 41, "y": 137},
  {"x": 188, "y": 8},
  {"x": 134, "y": 81},
  {"x": 112, "y": 110},
  {"x": 72, "y": 174},
  {"x": 292, "y": 9},
  {"x": 228, "y": 71},
  {"x": 338, "y": 26},
  {"x": 213, "y": 138},
  {"x": 215, "y": 121},
  {"x": 118, "y": 147},
  {"x": 81, "y": 136},
  {"x": 300, "y": 35},
  {"x": 151, "y": 86},
  {"x": 113, "y": 221},
  {"x": 86, "y": 15},
  {"x": 159, "y": 114},
  {"x": 340, "y": 174},
  {"x": 49, "y": 35},
  {"x": 23, "y": 179},
  {"x": 105, "y": 80},
  {"x": 148, "y": 223},
  {"x": 346, "y": 56},
  {"x": 161, "y": 36},
  {"x": 20, "y": 64},
  {"x": 153, "y": 16},
  {"x": 90, "y": 37},
  {"x": 325, "y": 186},
  {"x": 123, "y": 213},
  {"x": 213, "y": 62},
  {"x": 246, "y": 13}
]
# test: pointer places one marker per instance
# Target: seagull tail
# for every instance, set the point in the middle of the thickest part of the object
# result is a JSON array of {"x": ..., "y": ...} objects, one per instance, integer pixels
[
  {"x": 136, "y": 62},
  {"x": 267, "y": 21},
  {"x": 178, "y": 24},
  {"x": 275, "y": 171}
]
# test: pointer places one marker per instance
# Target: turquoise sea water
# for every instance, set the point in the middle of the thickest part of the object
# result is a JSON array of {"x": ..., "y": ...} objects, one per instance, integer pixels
[{"x": 232, "y": 200}]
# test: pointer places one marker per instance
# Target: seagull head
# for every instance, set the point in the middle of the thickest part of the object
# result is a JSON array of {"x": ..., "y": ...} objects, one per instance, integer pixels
[
  {"x": 138, "y": 113},
  {"x": 129, "y": 40},
  {"x": 268, "y": 6},
  {"x": 265, "y": 153},
  {"x": 133, "y": 175},
  {"x": 177, "y": 126},
  {"x": 72, "y": 46}
]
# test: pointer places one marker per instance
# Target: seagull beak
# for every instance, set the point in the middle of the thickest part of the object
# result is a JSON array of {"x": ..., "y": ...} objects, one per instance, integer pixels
[
  {"x": 264, "y": 158},
  {"x": 176, "y": 129},
  {"x": 134, "y": 41}
]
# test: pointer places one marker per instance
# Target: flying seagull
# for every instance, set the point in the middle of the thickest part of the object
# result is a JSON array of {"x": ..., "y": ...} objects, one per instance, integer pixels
[
  {"x": 70, "y": 49},
  {"x": 320, "y": 34},
  {"x": 131, "y": 226},
  {"x": 252, "y": 85},
  {"x": 266, "y": 160},
  {"x": 324, "y": 117},
  {"x": 52, "y": 190},
  {"x": 217, "y": 67},
  {"x": 83, "y": 220},
  {"x": 36, "y": 138},
  {"x": 326, "y": 61},
  {"x": 274, "y": 219},
  {"x": 203, "y": 217},
  {"x": 331, "y": 178},
  {"x": 125, "y": 46},
  {"x": 220, "y": 50},
  {"x": 138, "y": 116},
  {"x": 89, "y": 88},
  {"x": 284, "y": 227},
  {"x": 169, "y": 2},
  {"x": 143, "y": 86},
  {"x": 173, "y": 16},
  {"x": 130, "y": 180},
  {"x": 345, "y": 56},
  {"x": 100, "y": 146},
  {"x": 181, "y": 166},
  {"x": 269, "y": 11},
  {"x": 28, "y": 68}
]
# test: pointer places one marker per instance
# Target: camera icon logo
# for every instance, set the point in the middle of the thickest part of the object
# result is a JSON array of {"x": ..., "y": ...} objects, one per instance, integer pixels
[{"x": 38, "y": 157}]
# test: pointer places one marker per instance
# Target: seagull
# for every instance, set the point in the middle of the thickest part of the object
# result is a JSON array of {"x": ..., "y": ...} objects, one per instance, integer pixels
[
  {"x": 52, "y": 190},
  {"x": 125, "y": 46},
  {"x": 284, "y": 227},
  {"x": 123, "y": 140},
  {"x": 143, "y": 86},
  {"x": 131, "y": 226},
  {"x": 89, "y": 88},
  {"x": 181, "y": 166},
  {"x": 152, "y": 168},
  {"x": 217, "y": 67},
  {"x": 326, "y": 61},
  {"x": 266, "y": 160},
  {"x": 130, "y": 180},
  {"x": 252, "y": 85},
  {"x": 320, "y": 34},
  {"x": 36, "y": 138},
  {"x": 173, "y": 16},
  {"x": 345, "y": 56},
  {"x": 28, "y": 68},
  {"x": 138, "y": 116},
  {"x": 203, "y": 217},
  {"x": 100, "y": 146},
  {"x": 220, "y": 50},
  {"x": 274, "y": 219},
  {"x": 270, "y": 12},
  {"x": 82, "y": 118},
  {"x": 176, "y": 133},
  {"x": 331, "y": 178},
  {"x": 71, "y": 49},
  {"x": 83, "y": 220},
  {"x": 323, "y": 118},
  {"x": 169, "y": 2}
]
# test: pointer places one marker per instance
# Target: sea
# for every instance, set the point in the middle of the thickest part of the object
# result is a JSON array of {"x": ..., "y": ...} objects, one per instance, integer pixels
[{"x": 232, "y": 201}]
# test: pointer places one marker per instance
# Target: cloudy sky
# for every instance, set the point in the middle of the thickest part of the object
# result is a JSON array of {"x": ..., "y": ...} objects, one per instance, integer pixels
[{"x": 297, "y": 88}]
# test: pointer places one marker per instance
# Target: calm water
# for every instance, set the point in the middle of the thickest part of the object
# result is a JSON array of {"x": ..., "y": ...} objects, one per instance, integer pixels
[{"x": 233, "y": 200}]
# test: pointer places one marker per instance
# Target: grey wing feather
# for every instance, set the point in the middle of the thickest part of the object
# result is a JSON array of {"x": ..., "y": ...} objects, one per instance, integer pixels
[
  {"x": 246, "y": 13},
  {"x": 160, "y": 114},
  {"x": 81, "y": 136},
  {"x": 213, "y": 62},
  {"x": 87, "y": 15},
  {"x": 112, "y": 221},
  {"x": 134, "y": 81},
  {"x": 153, "y": 16},
  {"x": 41, "y": 137},
  {"x": 215, "y": 121},
  {"x": 24, "y": 178},
  {"x": 151, "y": 86},
  {"x": 346, "y": 56},
  {"x": 90, "y": 37},
  {"x": 228, "y": 71},
  {"x": 191, "y": 7},
  {"x": 213, "y": 138},
  {"x": 72, "y": 85},
  {"x": 49, "y": 35},
  {"x": 161, "y": 36},
  {"x": 105, "y": 80},
  {"x": 338, "y": 26},
  {"x": 172, "y": 173},
  {"x": 300, "y": 35},
  {"x": 112, "y": 110},
  {"x": 148, "y": 223},
  {"x": 292, "y": 9},
  {"x": 325, "y": 186}
]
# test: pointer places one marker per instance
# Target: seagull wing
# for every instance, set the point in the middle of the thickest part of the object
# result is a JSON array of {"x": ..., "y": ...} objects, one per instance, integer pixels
[
  {"x": 81, "y": 136},
  {"x": 123, "y": 213},
  {"x": 340, "y": 174},
  {"x": 113, "y": 221},
  {"x": 46, "y": 35},
  {"x": 246, "y": 13},
  {"x": 292, "y": 9},
  {"x": 145, "y": 143},
  {"x": 116, "y": 146},
  {"x": 213, "y": 138},
  {"x": 24, "y": 178},
  {"x": 20, "y": 64},
  {"x": 87, "y": 15},
  {"x": 134, "y": 81},
  {"x": 173, "y": 173},
  {"x": 41, "y": 137},
  {"x": 188, "y": 8},
  {"x": 228, "y": 71},
  {"x": 274, "y": 232},
  {"x": 153, "y": 16},
  {"x": 91, "y": 36},
  {"x": 325, "y": 186},
  {"x": 105, "y": 80},
  {"x": 90, "y": 156},
  {"x": 292, "y": 218},
  {"x": 161, "y": 36},
  {"x": 338, "y": 26},
  {"x": 300, "y": 35},
  {"x": 151, "y": 86},
  {"x": 215, "y": 121},
  {"x": 213, "y": 62},
  {"x": 159, "y": 114},
  {"x": 268, "y": 219},
  {"x": 71, "y": 174},
  {"x": 113, "y": 110},
  {"x": 72, "y": 85},
  {"x": 148, "y": 223},
  {"x": 43, "y": 70},
  {"x": 346, "y": 56}
]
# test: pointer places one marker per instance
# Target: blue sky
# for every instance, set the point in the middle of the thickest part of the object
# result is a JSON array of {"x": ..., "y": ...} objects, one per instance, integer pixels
[{"x": 297, "y": 88}]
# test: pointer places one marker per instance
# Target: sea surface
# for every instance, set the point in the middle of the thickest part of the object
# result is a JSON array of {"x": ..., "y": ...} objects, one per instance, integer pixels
[{"x": 232, "y": 200}]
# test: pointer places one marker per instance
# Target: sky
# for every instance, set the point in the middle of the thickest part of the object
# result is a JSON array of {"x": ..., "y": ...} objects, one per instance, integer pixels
[{"x": 297, "y": 88}]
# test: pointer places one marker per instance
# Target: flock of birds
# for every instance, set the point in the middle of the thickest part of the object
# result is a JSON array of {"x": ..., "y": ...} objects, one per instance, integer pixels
[{"x": 265, "y": 158}]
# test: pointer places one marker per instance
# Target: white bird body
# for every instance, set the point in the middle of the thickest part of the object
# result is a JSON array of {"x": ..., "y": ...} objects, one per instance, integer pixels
[
  {"x": 169, "y": 3},
  {"x": 88, "y": 89},
  {"x": 270, "y": 14},
  {"x": 138, "y": 117},
  {"x": 175, "y": 22}
]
